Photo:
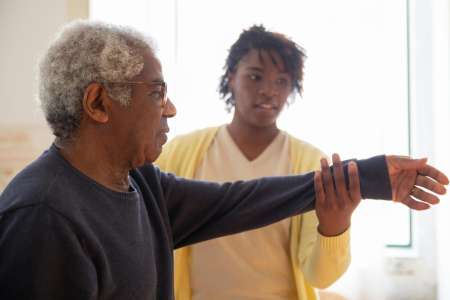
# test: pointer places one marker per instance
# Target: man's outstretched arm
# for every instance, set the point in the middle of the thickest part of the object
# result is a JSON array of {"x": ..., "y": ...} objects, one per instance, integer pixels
[{"x": 202, "y": 210}]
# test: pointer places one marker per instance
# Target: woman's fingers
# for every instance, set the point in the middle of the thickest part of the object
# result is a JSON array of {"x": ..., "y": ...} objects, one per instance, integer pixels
[
  {"x": 318, "y": 187},
  {"x": 339, "y": 181},
  {"x": 330, "y": 199},
  {"x": 355, "y": 189}
]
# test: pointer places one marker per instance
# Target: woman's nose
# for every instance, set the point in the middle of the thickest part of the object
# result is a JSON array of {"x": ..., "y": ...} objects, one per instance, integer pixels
[{"x": 268, "y": 88}]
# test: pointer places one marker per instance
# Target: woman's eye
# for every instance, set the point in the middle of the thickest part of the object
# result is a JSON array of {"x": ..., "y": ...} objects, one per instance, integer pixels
[
  {"x": 282, "y": 81},
  {"x": 254, "y": 77}
]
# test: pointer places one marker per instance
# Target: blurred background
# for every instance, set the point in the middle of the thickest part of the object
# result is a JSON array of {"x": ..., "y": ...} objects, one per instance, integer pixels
[{"x": 377, "y": 80}]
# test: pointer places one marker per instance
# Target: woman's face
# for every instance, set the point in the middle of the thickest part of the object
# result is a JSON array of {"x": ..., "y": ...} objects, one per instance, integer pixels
[{"x": 260, "y": 87}]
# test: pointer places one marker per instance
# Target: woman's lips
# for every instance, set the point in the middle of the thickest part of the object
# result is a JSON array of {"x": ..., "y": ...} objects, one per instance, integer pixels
[{"x": 266, "y": 107}]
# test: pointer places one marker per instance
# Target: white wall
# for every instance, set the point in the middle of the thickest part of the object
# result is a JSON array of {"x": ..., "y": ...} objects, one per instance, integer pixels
[
  {"x": 441, "y": 113},
  {"x": 426, "y": 275}
]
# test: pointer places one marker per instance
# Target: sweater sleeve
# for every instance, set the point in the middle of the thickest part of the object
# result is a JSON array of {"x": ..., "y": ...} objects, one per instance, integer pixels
[
  {"x": 201, "y": 210},
  {"x": 42, "y": 258}
]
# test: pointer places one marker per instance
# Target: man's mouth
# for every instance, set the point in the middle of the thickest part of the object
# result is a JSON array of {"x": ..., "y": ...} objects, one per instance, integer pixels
[
  {"x": 163, "y": 135},
  {"x": 163, "y": 138}
]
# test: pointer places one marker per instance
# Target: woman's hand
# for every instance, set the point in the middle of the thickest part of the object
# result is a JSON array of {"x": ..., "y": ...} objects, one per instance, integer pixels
[
  {"x": 334, "y": 202},
  {"x": 414, "y": 183}
]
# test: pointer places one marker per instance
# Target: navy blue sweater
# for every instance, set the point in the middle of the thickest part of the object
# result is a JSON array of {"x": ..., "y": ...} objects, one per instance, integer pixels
[{"x": 64, "y": 236}]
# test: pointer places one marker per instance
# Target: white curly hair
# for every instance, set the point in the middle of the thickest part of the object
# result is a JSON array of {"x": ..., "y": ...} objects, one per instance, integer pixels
[{"x": 82, "y": 53}]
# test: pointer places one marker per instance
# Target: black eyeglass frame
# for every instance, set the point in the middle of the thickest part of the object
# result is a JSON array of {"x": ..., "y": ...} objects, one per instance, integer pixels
[{"x": 150, "y": 84}]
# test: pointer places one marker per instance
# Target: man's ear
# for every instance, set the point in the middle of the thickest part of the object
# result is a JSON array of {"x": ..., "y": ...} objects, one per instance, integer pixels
[{"x": 95, "y": 103}]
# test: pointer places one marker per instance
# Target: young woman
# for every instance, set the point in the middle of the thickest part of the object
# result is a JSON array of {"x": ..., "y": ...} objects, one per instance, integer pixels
[{"x": 285, "y": 260}]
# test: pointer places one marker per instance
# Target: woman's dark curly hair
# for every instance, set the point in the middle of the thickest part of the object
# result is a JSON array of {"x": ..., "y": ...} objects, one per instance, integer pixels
[{"x": 257, "y": 37}]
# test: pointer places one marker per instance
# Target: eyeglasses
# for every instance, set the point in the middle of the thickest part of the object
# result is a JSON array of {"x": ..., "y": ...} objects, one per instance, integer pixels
[{"x": 158, "y": 94}]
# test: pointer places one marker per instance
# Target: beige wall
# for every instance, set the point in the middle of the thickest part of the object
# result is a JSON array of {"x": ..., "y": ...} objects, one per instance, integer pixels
[{"x": 26, "y": 27}]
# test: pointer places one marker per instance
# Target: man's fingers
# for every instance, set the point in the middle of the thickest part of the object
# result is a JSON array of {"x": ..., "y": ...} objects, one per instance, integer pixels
[
  {"x": 355, "y": 190},
  {"x": 412, "y": 164},
  {"x": 424, "y": 196},
  {"x": 434, "y": 173},
  {"x": 318, "y": 187},
  {"x": 330, "y": 199},
  {"x": 404, "y": 183},
  {"x": 405, "y": 163},
  {"x": 413, "y": 204},
  {"x": 339, "y": 181},
  {"x": 430, "y": 184}
]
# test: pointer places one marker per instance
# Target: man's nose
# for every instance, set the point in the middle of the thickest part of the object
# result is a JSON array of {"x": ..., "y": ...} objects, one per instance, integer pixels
[{"x": 169, "y": 109}]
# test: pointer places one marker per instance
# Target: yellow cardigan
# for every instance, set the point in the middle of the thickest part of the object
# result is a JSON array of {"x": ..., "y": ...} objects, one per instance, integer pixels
[{"x": 316, "y": 260}]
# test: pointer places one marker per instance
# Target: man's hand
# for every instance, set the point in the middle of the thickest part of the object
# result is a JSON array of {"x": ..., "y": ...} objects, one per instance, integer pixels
[
  {"x": 334, "y": 202},
  {"x": 413, "y": 179}
]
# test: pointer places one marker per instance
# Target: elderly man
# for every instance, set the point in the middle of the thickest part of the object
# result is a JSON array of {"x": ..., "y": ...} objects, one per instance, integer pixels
[{"x": 91, "y": 218}]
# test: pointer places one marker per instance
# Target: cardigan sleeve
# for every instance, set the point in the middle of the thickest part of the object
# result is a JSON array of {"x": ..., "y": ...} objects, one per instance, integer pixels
[{"x": 322, "y": 259}]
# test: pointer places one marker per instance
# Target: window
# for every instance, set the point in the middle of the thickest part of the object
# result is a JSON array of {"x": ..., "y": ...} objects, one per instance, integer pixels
[{"x": 356, "y": 77}]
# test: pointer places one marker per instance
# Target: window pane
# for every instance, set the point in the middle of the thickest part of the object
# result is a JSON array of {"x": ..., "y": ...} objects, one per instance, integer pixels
[{"x": 355, "y": 93}]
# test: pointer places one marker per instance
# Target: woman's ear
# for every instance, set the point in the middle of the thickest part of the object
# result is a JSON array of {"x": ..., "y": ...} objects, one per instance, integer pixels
[
  {"x": 230, "y": 81},
  {"x": 95, "y": 103}
]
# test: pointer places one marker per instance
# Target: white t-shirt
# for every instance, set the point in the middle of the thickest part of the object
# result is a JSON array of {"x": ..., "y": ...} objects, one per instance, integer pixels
[{"x": 250, "y": 265}]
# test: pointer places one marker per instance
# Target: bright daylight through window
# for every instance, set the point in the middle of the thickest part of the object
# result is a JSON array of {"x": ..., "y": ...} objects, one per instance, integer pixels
[{"x": 356, "y": 77}]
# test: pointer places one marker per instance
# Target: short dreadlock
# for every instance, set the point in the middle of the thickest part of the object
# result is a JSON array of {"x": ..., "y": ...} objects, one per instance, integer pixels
[{"x": 257, "y": 37}]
